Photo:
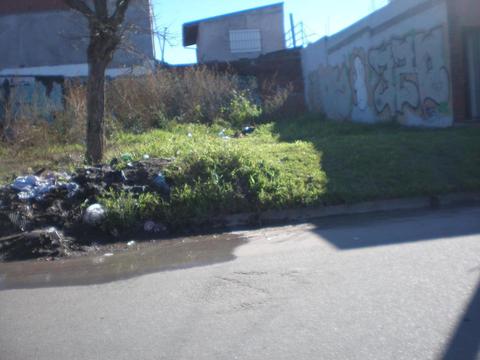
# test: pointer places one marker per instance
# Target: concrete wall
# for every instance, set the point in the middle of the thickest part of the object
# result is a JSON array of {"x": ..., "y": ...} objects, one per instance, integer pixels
[
  {"x": 59, "y": 37},
  {"x": 213, "y": 42},
  {"x": 36, "y": 97},
  {"x": 393, "y": 64}
]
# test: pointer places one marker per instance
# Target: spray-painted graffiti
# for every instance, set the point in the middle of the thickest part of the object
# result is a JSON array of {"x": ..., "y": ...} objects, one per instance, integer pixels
[
  {"x": 405, "y": 78},
  {"x": 41, "y": 95},
  {"x": 434, "y": 82},
  {"x": 336, "y": 92},
  {"x": 359, "y": 80},
  {"x": 393, "y": 66}
]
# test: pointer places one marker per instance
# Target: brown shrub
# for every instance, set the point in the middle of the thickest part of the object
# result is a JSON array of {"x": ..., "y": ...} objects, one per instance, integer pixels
[
  {"x": 70, "y": 124},
  {"x": 192, "y": 95},
  {"x": 139, "y": 103}
]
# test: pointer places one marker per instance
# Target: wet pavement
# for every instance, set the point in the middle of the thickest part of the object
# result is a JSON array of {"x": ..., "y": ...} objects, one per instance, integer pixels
[
  {"x": 114, "y": 265},
  {"x": 390, "y": 286}
]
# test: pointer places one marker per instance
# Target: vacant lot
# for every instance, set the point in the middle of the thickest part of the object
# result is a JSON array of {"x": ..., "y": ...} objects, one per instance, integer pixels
[{"x": 300, "y": 162}]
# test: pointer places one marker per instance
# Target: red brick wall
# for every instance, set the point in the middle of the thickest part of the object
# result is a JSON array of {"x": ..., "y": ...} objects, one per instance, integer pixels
[
  {"x": 19, "y": 6},
  {"x": 463, "y": 15},
  {"x": 281, "y": 68}
]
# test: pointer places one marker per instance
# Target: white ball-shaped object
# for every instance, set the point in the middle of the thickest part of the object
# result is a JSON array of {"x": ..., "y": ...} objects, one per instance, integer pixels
[{"x": 94, "y": 215}]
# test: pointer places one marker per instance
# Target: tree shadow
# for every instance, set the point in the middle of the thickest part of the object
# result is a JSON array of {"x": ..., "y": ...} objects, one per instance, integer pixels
[
  {"x": 364, "y": 162},
  {"x": 391, "y": 228},
  {"x": 465, "y": 341},
  {"x": 402, "y": 227}
]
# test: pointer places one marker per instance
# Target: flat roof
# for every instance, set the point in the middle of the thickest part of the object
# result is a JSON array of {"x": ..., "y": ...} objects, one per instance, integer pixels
[{"x": 190, "y": 29}]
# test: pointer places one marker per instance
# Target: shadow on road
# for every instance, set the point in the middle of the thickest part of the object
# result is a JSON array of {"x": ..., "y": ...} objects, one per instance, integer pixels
[
  {"x": 357, "y": 232},
  {"x": 396, "y": 228},
  {"x": 465, "y": 342}
]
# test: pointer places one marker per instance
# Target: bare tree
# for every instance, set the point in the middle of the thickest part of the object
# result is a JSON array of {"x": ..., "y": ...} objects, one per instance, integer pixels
[{"x": 106, "y": 31}]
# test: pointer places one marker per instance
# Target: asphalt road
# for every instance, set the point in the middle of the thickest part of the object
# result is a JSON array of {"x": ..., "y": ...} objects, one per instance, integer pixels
[{"x": 398, "y": 286}]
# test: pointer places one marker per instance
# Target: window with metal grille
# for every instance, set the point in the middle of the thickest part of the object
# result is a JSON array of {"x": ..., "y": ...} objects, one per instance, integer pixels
[{"x": 243, "y": 41}]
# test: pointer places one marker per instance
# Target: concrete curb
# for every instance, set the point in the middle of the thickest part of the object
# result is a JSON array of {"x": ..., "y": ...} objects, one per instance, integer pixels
[{"x": 306, "y": 214}]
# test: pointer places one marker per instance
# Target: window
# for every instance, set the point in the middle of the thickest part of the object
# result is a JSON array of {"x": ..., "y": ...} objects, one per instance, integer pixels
[{"x": 243, "y": 41}]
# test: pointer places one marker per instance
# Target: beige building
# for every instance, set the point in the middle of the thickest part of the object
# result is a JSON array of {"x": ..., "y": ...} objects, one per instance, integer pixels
[{"x": 244, "y": 34}]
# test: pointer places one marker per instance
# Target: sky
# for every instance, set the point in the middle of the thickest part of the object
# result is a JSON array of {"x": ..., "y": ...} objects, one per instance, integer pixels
[{"x": 320, "y": 17}]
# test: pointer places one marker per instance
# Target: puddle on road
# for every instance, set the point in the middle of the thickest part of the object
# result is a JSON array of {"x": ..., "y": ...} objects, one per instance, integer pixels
[{"x": 145, "y": 259}]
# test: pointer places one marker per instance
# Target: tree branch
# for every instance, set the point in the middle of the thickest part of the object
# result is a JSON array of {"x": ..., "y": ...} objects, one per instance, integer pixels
[
  {"x": 101, "y": 9},
  {"x": 81, "y": 7},
  {"x": 119, "y": 13}
]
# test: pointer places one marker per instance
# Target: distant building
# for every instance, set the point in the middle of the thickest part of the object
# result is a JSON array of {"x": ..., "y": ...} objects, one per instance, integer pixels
[
  {"x": 43, "y": 42},
  {"x": 244, "y": 34},
  {"x": 46, "y": 38}
]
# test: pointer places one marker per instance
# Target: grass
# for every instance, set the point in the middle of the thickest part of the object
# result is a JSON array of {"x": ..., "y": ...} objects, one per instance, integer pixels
[
  {"x": 16, "y": 160},
  {"x": 301, "y": 162},
  {"x": 212, "y": 176},
  {"x": 386, "y": 161}
]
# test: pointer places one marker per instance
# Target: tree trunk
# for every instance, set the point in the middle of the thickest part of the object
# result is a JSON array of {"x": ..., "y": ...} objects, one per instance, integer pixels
[{"x": 96, "y": 110}]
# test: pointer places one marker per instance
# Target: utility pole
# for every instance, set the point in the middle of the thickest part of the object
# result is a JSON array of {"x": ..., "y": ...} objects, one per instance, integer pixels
[
  {"x": 163, "y": 41},
  {"x": 303, "y": 34},
  {"x": 292, "y": 26}
]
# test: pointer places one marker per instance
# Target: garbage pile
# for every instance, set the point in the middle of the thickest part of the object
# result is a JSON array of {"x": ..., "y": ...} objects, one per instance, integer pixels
[{"x": 36, "y": 211}]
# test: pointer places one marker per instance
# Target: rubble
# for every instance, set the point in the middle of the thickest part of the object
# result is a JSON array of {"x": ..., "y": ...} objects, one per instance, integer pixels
[
  {"x": 58, "y": 203},
  {"x": 39, "y": 243}
]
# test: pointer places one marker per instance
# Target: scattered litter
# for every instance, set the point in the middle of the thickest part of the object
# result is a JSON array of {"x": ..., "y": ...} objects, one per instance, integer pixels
[
  {"x": 114, "y": 176},
  {"x": 51, "y": 204},
  {"x": 149, "y": 226},
  {"x": 131, "y": 243},
  {"x": 108, "y": 254},
  {"x": 36, "y": 187},
  {"x": 24, "y": 182},
  {"x": 153, "y": 227},
  {"x": 190, "y": 135},
  {"x": 31, "y": 186},
  {"x": 54, "y": 234},
  {"x": 160, "y": 228},
  {"x": 19, "y": 220},
  {"x": 146, "y": 157},
  {"x": 72, "y": 189},
  {"x": 161, "y": 183},
  {"x": 127, "y": 157},
  {"x": 94, "y": 215},
  {"x": 248, "y": 130},
  {"x": 114, "y": 232},
  {"x": 223, "y": 135}
]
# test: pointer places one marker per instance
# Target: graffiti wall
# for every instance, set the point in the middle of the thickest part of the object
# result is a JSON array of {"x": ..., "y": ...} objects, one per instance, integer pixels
[
  {"x": 382, "y": 76},
  {"x": 41, "y": 96}
]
